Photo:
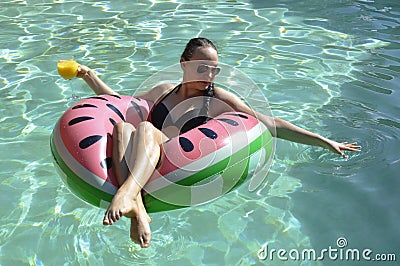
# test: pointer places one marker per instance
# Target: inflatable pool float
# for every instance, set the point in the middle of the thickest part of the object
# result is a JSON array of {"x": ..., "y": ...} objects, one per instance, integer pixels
[{"x": 197, "y": 166}]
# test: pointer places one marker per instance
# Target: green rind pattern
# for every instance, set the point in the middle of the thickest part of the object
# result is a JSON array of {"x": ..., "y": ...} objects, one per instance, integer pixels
[{"x": 236, "y": 163}]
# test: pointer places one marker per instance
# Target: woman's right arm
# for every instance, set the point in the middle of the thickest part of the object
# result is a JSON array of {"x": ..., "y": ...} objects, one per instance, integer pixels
[
  {"x": 94, "y": 82},
  {"x": 99, "y": 87}
]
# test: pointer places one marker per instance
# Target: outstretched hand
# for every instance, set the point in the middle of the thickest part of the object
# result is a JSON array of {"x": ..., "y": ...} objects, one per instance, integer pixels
[
  {"x": 338, "y": 147},
  {"x": 82, "y": 71}
]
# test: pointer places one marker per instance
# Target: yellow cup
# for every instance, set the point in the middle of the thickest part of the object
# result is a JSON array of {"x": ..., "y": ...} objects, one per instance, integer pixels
[{"x": 67, "y": 69}]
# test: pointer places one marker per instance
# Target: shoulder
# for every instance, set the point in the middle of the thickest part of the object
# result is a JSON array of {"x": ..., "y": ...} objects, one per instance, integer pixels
[
  {"x": 225, "y": 95},
  {"x": 156, "y": 92},
  {"x": 230, "y": 98},
  {"x": 159, "y": 90}
]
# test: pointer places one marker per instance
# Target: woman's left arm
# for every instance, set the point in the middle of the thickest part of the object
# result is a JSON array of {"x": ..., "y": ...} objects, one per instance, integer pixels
[{"x": 286, "y": 130}]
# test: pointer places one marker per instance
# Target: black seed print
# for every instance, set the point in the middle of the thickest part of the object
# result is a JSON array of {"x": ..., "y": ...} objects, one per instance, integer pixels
[
  {"x": 79, "y": 119},
  {"x": 229, "y": 121},
  {"x": 138, "y": 110},
  {"x": 209, "y": 133},
  {"x": 106, "y": 163},
  {"x": 85, "y": 105},
  {"x": 87, "y": 142},
  {"x": 112, "y": 121},
  {"x": 240, "y": 115},
  {"x": 99, "y": 98},
  {"x": 186, "y": 144},
  {"x": 116, "y": 96},
  {"x": 115, "y": 110}
]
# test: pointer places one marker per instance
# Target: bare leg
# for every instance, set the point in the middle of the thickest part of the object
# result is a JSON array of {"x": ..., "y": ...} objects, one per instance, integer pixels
[
  {"x": 123, "y": 134},
  {"x": 127, "y": 201}
]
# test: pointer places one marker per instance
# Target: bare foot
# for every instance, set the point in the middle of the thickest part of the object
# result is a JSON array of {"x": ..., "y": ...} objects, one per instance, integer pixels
[
  {"x": 140, "y": 229},
  {"x": 141, "y": 206},
  {"x": 121, "y": 205}
]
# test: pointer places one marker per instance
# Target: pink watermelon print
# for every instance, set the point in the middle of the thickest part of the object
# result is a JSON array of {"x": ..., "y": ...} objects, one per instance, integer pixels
[{"x": 215, "y": 157}]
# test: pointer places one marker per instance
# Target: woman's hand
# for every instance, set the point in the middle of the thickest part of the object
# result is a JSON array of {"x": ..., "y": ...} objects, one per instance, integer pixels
[
  {"x": 95, "y": 83},
  {"x": 83, "y": 71},
  {"x": 343, "y": 146}
]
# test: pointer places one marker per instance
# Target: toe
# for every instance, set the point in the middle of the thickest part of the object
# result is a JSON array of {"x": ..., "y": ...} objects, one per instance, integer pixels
[
  {"x": 145, "y": 240},
  {"x": 117, "y": 216},
  {"x": 114, "y": 216},
  {"x": 106, "y": 221}
]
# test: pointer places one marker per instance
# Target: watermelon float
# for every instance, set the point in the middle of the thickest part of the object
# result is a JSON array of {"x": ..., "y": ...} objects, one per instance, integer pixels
[{"x": 197, "y": 166}]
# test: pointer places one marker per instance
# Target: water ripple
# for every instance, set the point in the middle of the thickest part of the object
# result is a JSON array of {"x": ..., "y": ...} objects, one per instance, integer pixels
[{"x": 329, "y": 77}]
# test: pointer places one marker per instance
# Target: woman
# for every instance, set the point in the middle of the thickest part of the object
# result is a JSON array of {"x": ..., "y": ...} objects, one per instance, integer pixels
[{"x": 176, "y": 110}]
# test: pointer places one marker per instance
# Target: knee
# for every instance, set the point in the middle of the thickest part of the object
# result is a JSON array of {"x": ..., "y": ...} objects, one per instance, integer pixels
[
  {"x": 122, "y": 128},
  {"x": 147, "y": 127},
  {"x": 149, "y": 130}
]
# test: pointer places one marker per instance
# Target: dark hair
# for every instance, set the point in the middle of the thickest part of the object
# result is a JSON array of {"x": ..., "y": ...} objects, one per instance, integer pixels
[
  {"x": 208, "y": 94},
  {"x": 195, "y": 43}
]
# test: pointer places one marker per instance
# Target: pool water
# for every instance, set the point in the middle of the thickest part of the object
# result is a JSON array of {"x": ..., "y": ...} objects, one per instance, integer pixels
[{"x": 329, "y": 66}]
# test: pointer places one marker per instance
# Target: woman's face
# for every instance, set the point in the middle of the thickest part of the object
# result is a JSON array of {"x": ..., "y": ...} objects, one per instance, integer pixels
[{"x": 201, "y": 69}]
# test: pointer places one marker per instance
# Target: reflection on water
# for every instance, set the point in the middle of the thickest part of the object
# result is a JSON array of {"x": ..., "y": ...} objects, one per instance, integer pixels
[{"x": 329, "y": 67}]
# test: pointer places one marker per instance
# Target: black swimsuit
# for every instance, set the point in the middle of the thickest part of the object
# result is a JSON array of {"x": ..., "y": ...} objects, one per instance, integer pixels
[{"x": 160, "y": 117}]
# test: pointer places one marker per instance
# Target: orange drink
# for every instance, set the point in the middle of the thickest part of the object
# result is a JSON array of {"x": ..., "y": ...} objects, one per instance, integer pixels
[{"x": 67, "y": 69}]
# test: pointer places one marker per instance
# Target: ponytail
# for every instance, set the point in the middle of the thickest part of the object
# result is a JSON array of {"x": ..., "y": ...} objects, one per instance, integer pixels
[{"x": 208, "y": 94}]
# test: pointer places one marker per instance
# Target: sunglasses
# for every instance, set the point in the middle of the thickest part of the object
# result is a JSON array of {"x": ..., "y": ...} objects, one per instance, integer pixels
[{"x": 205, "y": 68}]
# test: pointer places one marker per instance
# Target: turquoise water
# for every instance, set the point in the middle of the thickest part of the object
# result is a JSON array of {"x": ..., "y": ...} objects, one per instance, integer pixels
[{"x": 330, "y": 66}]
